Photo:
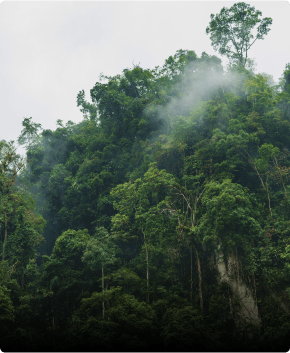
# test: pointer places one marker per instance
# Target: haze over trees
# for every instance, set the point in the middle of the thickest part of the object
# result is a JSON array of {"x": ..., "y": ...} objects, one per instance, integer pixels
[{"x": 159, "y": 222}]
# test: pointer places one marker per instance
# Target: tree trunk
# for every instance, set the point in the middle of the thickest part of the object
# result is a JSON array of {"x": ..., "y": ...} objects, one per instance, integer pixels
[
  {"x": 199, "y": 279},
  {"x": 147, "y": 270},
  {"x": 53, "y": 332},
  {"x": 103, "y": 303},
  {"x": 191, "y": 282},
  {"x": 5, "y": 235},
  {"x": 22, "y": 280},
  {"x": 147, "y": 275}
]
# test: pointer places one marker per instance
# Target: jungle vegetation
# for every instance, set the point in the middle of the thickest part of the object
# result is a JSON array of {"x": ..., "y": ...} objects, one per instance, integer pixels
[{"x": 109, "y": 228}]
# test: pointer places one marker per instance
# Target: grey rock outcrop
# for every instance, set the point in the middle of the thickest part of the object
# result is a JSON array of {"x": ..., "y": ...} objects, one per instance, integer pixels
[{"x": 248, "y": 312}]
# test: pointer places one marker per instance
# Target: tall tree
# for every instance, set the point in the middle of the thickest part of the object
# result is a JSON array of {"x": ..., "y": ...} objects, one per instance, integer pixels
[
  {"x": 102, "y": 250},
  {"x": 231, "y": 31},
  {"x": 20, "y": 227},
  {"x": 29, "y": 133}
]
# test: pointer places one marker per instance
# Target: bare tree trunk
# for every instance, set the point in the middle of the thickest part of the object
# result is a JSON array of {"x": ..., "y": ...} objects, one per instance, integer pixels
[
  {"x": 53, "y": 331},
  {"x": 255, "y": 290},
  {"x": 5, "y": 235},
  {"x": 103, "y": 303},
  {"x": 199, "y": 279},
  {"x": 191, "y": 282},
  {"x": 22, "y": 280},
  {"x": 147, "y": 270}
]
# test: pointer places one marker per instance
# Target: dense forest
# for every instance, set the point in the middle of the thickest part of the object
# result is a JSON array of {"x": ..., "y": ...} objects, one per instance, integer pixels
[{"x": 160, "y": 222}]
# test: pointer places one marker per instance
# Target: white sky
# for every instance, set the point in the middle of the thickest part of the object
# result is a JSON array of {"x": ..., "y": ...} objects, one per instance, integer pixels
[{"x": 52, "y": 50}]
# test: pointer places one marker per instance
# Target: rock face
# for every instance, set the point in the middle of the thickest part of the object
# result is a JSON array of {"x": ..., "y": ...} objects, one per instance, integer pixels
[{"x": 248, "y": 312}]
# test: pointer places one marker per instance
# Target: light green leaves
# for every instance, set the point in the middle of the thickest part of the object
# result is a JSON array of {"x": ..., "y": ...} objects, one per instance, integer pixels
[
  {"x": 267, "y": 154},
  {"x": 260, "y": 94},
  {"x": 100, "y": 249},
  {"x": 229, "y": 214},
  {"x": 71, "y": 243}
]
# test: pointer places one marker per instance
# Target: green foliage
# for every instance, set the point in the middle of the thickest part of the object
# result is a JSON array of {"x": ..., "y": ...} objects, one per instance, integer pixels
[
  {"x": 86, "y": 106},
  {"x": 168, "y": 168},
  {"x": 136, "y": 323},
  {"x": 233, "y": 27},
  {"x": 20, "y": 226},
  {"x": 70, "y": 244},
  {"x": 260, "y": 94},
  {"x": 183, "y": 329},
  {"x": 29, "y": 133},
  {"x": 229, "y": 215},
  {"x": 100, "y": 249},
  {"x": 7, "y": 309}
]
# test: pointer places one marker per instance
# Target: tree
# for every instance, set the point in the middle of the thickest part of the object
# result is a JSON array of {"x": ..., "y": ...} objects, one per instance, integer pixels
[
  {"x": 157, "y": 206},
  {"x": 100, "y": 249},
  {"x": 136, "y": 323},
  {"x": 138, "y": 223},
  {"x": 183, "y": 329},
  {"x": 10, "y": 165},
  {"x": 29, "y": 133},
  {"x": 233, "y": 28},
  {"x": 64, "y": 275},
  {"x": 7, "y": 309},
  {"x": 87, "y": 107},
  {"x": 20, "y": 228},
  {"x": 120, "y": 103},
  {"x": 260, "y": 94}
]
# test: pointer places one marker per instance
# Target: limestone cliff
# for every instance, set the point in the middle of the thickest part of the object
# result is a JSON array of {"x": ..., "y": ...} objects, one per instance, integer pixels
[{"x": 248, "y": 312}]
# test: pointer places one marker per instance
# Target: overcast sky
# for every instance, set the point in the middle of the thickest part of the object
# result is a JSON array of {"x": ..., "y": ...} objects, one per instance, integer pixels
[{"x": 52, "y": 50}]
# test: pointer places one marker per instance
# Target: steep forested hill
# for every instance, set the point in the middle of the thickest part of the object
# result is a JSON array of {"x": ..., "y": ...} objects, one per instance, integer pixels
[{"x": 160, "y": 222}]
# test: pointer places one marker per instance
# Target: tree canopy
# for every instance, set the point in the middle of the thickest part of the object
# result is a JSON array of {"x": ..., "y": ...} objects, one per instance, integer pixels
[
  {"x": 231, "y": 31},
  {"x": 161, "y": 220}
]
